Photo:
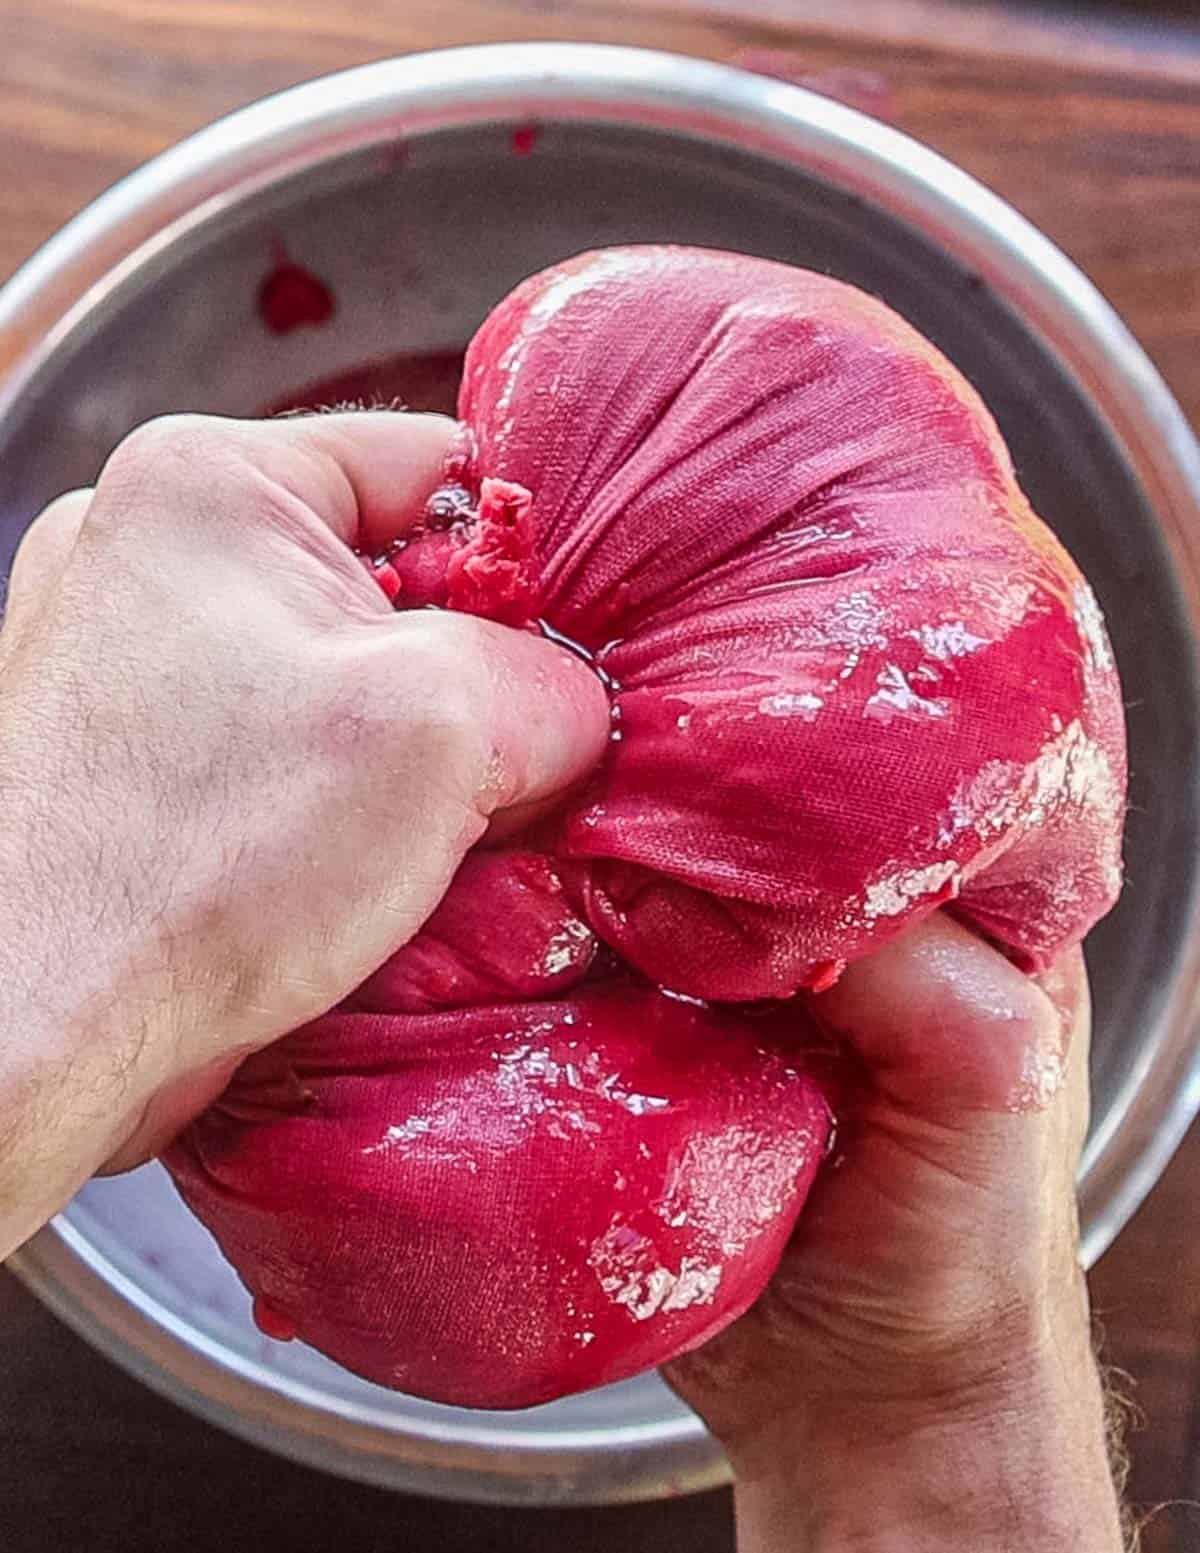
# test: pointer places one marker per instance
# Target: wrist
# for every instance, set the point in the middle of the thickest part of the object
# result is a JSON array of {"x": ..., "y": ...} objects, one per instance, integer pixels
[{"x": 1016, "y": 1460}]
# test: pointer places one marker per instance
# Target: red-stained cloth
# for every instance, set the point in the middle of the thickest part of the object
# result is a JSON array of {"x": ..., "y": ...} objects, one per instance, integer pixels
[{"x": 853, "y": 678}]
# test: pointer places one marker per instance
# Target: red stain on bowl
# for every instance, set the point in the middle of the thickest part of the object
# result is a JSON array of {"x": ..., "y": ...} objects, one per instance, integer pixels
[
  {"x": 393, "y": 155},
  {"x": 291, "y": 297},
  {"x": 425, "y": 380},
  {"x": 523, "y": 139}
]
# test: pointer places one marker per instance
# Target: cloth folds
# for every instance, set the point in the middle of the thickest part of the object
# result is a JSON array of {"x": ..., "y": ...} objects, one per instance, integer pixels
[{"x": 853, "y": 678}]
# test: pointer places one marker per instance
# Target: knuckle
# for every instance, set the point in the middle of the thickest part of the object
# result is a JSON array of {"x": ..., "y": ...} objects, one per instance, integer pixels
[
  {"x": 53, "y": 528},
  {"x": 166, "y": 437},
  {"x": 425, "y": 701},
  {"x": 65, "y": 511},
  {"x": 444, "y": 705},
  {"x": 167, "y": 452},
  {"x": 441, "y": 662},
  {"x": 44, "y": 550}
]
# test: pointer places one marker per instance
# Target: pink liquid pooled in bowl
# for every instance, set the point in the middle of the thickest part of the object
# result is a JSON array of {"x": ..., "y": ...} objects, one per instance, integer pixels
[{"x": 417, "y": 381}]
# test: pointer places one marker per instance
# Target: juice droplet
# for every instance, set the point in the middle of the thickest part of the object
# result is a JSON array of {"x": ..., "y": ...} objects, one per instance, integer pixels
[
  {"x": 460, "y": 461},
  {"x": 449, "y": 504},
  {"x": 385, "y": 574},
  {"x": 552, "y": 634},
  {"x": 272, "y": 1322},
  {"x": 825, "y": 975}
]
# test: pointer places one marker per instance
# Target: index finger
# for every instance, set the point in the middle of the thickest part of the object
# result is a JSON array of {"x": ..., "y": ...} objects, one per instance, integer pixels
[{"x": 365, "y": 474}]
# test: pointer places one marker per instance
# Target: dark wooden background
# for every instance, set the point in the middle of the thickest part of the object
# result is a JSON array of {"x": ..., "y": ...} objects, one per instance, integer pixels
[{"x": 1086, "y": 119}]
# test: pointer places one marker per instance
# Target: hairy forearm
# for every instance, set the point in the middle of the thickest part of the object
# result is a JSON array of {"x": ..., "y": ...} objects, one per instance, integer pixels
[
  {"x": 79, "y": 987},
  {"x": 64, "y": 1095},
  {"x": 60, "y": 1115}
]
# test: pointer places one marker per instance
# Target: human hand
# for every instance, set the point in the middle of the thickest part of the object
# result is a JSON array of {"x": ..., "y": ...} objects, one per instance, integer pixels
[
  {"x": 233, "y": 780},
  {"x": 919, "y": 1375}
]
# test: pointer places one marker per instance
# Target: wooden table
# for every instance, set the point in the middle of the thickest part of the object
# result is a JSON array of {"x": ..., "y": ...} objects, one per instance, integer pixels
[{"x": 1092, "y": 128}]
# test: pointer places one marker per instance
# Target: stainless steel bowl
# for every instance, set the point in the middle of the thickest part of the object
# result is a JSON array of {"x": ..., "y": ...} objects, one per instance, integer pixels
[{"x": 398, "y": 185}]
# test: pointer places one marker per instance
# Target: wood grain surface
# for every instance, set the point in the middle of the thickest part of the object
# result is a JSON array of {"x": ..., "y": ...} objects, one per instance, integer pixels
[{"x": 1088, "y": 120}]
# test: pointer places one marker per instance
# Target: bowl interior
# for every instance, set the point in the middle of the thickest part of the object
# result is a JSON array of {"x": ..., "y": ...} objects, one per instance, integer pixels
[{"x": 416, "y": 243}]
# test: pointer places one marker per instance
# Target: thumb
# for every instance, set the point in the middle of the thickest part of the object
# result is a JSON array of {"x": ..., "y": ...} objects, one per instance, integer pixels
[
  {"x": 945, "y": 1024},
  {"x": 542, "y": 713}
]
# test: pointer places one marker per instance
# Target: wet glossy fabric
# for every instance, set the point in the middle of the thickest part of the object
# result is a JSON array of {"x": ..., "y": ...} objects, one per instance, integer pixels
[{"x": 853, "y": 678}]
